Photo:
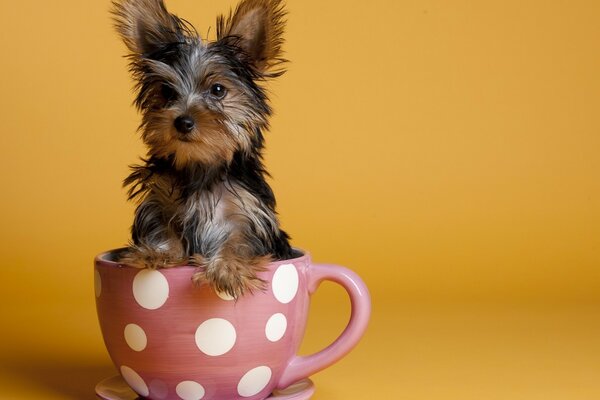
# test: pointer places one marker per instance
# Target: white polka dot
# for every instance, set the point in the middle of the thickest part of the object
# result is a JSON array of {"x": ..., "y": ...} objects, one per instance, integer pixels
[
  {"x": 190, "y": 390},
  {"x": 215, "y": 336},
  {"x": 254, "y": 381},
  {"x": 225, "y": 296},
  {"x": 135, "y": 337},
  {"x": 97, "y": 283},
  {"x": 135, "y": 381},
  {"x": 276, "y": 326},
  {"x": 285, "y": 283},
  {"x": 150, "y": 289}
]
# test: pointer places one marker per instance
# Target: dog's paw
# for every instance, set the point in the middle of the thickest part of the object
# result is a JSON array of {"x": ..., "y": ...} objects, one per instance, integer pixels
[
  {"x": 232, "y": 276},
  {"x": 148, "y": 257}
]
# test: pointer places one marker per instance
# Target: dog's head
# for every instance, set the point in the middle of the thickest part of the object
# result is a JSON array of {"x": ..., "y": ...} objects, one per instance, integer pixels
[{"x": 202, "y": 101}]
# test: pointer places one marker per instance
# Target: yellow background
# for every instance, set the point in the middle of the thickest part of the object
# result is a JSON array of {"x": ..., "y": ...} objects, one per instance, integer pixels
[{"x": 447, "y": 151}]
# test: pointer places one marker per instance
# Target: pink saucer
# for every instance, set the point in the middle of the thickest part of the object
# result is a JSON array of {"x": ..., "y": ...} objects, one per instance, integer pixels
[{"x": 115, "y": 388}]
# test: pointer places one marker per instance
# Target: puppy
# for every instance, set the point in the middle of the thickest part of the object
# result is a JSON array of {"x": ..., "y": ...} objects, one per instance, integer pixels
[{"x": 201, "y": 191}]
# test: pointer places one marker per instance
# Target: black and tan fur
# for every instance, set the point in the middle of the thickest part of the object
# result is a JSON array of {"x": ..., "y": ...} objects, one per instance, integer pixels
[{"x": 203, "y": 198}]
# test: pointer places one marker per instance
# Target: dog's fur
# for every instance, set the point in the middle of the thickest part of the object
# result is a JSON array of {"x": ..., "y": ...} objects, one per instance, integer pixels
[{"x": 203, "y": 198}]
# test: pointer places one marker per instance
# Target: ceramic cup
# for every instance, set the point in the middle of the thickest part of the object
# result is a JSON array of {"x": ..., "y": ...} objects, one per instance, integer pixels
[{"x": 172, "y": 340}]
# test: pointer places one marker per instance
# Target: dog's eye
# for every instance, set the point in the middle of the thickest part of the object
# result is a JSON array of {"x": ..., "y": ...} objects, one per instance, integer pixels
[
  {"x": 217, "y": 90},
  {"x": 167, "y": 92}
]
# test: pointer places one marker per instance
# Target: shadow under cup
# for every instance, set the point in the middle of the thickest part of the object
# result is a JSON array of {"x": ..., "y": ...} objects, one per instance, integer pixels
[{"x": 172, "y": 340}]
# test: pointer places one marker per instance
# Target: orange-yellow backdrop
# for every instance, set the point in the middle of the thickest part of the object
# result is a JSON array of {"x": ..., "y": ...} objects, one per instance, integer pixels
[{"x": 445, "y": 150}]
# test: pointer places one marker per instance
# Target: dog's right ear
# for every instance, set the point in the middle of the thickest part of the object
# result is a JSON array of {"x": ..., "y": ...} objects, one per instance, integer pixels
[{"x": 146, "y": 26}]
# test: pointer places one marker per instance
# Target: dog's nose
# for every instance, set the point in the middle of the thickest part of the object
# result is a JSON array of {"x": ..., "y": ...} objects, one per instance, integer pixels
[{"x": 184, "y": 124}]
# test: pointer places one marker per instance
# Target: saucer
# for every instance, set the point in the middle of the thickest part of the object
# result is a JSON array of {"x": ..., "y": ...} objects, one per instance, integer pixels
[{"x": 115, "y": 388}]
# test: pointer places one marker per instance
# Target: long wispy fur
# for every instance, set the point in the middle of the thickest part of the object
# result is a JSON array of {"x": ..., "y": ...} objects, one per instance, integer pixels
[{"x": 201, "y": 191}]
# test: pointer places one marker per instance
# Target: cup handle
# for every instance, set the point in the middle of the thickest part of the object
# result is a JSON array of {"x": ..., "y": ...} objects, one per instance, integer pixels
[{"x": 301, "y": 367}]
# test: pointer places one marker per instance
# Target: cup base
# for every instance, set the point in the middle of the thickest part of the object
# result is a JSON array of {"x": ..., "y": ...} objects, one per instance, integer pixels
[{"x": 115, "y": 388}]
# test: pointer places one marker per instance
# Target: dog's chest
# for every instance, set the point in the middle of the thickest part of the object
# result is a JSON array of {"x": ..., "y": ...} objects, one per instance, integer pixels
[
  {"x": 205, "y": 208},
  {"x": 206, "y": 219}
]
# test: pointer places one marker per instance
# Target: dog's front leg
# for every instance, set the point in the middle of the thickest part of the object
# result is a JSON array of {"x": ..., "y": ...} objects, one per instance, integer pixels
[
  {"x": 232, "y": 268},
  {"x": 154, "y": 243}
]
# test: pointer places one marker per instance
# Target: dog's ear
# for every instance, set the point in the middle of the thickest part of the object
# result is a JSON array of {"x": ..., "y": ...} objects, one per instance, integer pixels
[
  {"x": 146, "y": 26},
  {"x": 257, "y": 27}
]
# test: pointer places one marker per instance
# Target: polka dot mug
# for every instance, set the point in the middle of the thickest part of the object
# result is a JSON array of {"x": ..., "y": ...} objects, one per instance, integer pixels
[{"x": 172, "y": 340}]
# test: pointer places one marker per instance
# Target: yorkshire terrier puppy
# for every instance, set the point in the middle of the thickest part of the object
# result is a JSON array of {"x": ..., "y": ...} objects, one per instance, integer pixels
[{"x": 202, "y": 194}]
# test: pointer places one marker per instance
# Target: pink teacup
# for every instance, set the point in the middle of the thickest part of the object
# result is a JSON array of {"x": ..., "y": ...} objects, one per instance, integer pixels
[{"x": 172, "y": 340}]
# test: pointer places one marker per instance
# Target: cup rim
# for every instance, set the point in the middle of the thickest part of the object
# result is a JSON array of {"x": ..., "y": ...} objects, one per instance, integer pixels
[{"x": 108, "y": 258}]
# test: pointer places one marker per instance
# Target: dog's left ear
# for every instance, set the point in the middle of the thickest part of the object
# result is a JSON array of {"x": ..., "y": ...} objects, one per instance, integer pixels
[{"x": 257, "y": 28}]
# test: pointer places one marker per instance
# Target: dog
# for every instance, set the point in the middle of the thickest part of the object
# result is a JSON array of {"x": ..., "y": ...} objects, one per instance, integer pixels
[{"x": 201, "y": 193}]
